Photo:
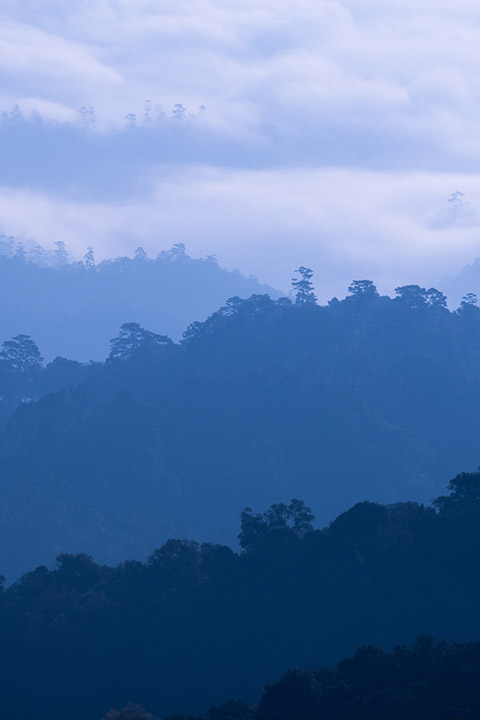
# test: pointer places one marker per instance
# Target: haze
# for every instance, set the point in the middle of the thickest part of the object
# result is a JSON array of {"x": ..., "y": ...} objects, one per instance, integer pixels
[{"x": 343, "y": 136}]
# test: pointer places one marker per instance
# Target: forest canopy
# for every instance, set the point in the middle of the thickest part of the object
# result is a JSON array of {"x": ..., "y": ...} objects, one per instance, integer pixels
[
  {"x": 223, "y": 623},
  {"x": 366, "y": 398}
]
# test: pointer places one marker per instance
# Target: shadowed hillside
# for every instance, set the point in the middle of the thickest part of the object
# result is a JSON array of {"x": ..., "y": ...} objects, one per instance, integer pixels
[
  {"x": 367, "y": 398},
  {"x": 197, "y": 624},
  {"x": 433, "y": 680}
]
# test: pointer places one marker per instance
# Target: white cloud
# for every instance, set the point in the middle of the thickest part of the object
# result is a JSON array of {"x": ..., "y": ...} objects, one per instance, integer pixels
[
  {"x": 264, "y": 61},
  {"x": 378, "y": 103},
  {"x": 32, "y": 59},
  {"x": 391, "y": 227}
]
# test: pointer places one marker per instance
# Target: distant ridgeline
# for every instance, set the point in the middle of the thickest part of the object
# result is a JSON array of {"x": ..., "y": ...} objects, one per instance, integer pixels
[
  {"x": 73, "y": 308},
  {"x": 196, "y": 625}
]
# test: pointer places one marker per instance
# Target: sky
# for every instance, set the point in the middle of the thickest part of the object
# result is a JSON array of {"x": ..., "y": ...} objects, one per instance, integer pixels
[{"x": 340, "y": 135}]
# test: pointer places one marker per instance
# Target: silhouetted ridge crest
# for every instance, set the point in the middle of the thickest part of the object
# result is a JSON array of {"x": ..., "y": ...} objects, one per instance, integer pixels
[
  {"x": 74, "y": 306},
  {"x": 223, "y": 623}
]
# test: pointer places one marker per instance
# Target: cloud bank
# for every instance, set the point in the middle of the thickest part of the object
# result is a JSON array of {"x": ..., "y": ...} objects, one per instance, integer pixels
[
  {"x": 271, "y": 133},
  {"x": 394, "y": 227}
]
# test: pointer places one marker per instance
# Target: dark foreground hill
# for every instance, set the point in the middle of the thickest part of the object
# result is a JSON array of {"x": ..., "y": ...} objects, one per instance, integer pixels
[
  {"x": 367, "y": 398},
  {"x": 197, "y": 625},
  {"x": 433, "y": 680}
]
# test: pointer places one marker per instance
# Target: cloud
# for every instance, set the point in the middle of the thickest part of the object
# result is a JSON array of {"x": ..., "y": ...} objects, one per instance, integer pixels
[
  {"x": 395, "y": 69},
  {"x": 334, "y": 133},
  {"x": 314, "y": 72},
  {"x": 346, "y": 224},
  {"x": 32, "y": 59}
]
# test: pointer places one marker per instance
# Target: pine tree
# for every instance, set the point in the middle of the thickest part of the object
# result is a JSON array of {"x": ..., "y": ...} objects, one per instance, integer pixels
[{"x": 303, "y": 287}]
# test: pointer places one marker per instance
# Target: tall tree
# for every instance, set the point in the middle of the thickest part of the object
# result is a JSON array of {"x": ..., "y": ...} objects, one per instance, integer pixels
[
  {"x": 132, "y": 338},
  {"x": 140, "y": 253},
  {"x": 89, "y": 258},
  {"x": 303, "y": 287},
  {"x": 436, "y": 299},
  {"x": 21, "y": 354},
  {"x": 363, "y": 289},
  {"x": 61, "y": 254},
  {"x": 469, "y": 305},
  {"x": 411, "y": 296}
]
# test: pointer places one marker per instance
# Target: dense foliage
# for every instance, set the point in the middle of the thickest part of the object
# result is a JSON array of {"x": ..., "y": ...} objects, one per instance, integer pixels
[
  {"x": 433, "y": 680},
  {"x": 367, "y": 398},
  {"x": 199, "y": 624}
]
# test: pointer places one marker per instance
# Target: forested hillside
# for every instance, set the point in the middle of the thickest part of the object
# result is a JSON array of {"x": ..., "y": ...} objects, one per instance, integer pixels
[
  {"x": 197, "y": 625},
  {"x": 73, "y": 308},
  {"x": 368, "y": 398}
]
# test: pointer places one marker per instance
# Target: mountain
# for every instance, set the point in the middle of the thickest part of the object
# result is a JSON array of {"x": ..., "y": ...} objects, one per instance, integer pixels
[
  {"x": 368, "y": 398},
  {"x": 197, "y": 624},
  {"x": 74, "y": 308},
  {"x": 433, "y": 680}
]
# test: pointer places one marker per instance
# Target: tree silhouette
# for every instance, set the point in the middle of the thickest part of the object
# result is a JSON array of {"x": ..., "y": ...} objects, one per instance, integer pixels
[
  {"x": 21, "y": 354},
  {"x": 301, "y": 517},
  {"x": 469, "y": 305},
  {"x": 363, "y": 289},
  {"x": 303, "y": 287},
  {"x": 253, "y": 529},
  {"x": 296, "y": 518},
  {"x": 130, "y": 712},
  {"x": 436, "y": 299},
  {"x": 89, "y": 258},
  {"x": 411, "y": 296},
  {"x": 78, "y": 571},
  {"x": 464, "y": 494},
  {"x": 132, "y": 339},
  {"x": 178, "y": 252},
  {"x": 140, "y": 253},
  {"x": 61, "y": 254}
]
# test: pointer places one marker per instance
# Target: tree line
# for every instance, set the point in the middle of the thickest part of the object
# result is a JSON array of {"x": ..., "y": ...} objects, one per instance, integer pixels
[
  {"x": 365, "y": 398},
  {"x": 431, "y": 680},
  {"x": 73, "y": 306},
  {"x": 197, "y": 624}
]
